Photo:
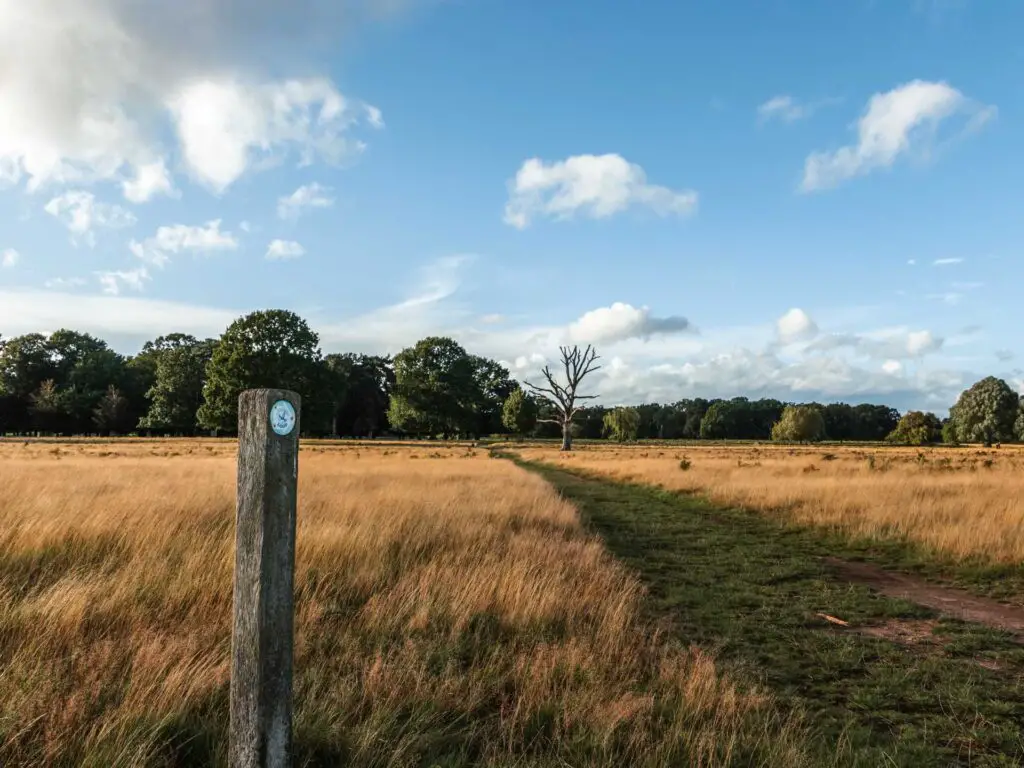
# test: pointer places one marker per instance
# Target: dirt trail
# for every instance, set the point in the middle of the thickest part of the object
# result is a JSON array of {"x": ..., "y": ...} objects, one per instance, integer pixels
[{"x": 950, "y": 601}]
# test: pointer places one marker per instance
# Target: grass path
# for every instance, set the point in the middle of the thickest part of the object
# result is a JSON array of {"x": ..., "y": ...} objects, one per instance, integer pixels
[{"x": 751, "y": 589}]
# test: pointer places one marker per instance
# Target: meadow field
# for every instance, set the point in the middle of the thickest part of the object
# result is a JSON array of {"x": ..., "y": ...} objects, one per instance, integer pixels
[
  {"x": 962, "y": 503},
  {"x": 451, "y": 610}
]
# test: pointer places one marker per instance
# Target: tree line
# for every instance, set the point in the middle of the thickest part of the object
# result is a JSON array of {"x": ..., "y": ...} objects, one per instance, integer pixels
[{"x": 72, "y": 383}]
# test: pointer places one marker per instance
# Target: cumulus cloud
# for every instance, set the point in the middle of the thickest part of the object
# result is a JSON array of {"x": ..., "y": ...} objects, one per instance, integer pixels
[
  {"x": 795, "y": 325},
  {"x": 9, "y": 258},
  {"x": 281, "y": 250},
  {"x": 307, "y": 196},
  {"x": 170, "y": 240},
  {"x": 894, "y": 123},
  {"x": 79, "y": 211},
  {"x": 91, "y": 90},
  {"x": 595, "y": 185},
  {"x": 623, "y": 321}
]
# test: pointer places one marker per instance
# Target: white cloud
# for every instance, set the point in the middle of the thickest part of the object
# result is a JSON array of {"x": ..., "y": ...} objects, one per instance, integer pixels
[
  {"x": 374, "y": 116},
  {"x": 595, "y": 185},
  {"x": 168, "y": 240},
  {"x": 946, "y": 262},
  {"x": 307, "y": 196},
  {"x": 894, "y": 123},
  {"x": 112, "y": 282},
  {"x": 911, "y": 262},
  {"x": 224, "y": 126},
  {"x": 788, "y": 109},
  {"x": 921, "y": 343},
  {"x": 9, "y": 258},
  {"x": 622, "y": 321},
  {"x": 99, "y": 90},
  {"x": 492, "y": 319},
  {"x": 81, "y": 213},
  {"x": 150, "y": 180},
  {"x": 280, "y": 250},
  {"x": 795, "y": 325},
  {"x": 892, "y": 367}
]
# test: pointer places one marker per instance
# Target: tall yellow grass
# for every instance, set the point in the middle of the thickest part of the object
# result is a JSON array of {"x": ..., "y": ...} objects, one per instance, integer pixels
[
  {"x": 962, "y": 502},
  {"x": 443, "y": 598}
]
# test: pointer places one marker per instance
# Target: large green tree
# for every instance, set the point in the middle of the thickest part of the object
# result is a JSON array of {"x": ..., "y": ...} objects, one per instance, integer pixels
[
  {"x": 25, "y": 364},
  {"x": 917, "y": 428},
  {"x": 622, "y": 424},
  {"x": 269, "y": 348},
  {"x": 177, "y": 391},
  {"x": 519, "y": 413},
  {"x": 359, "y": 390},
  {"x": 79, "y": 367},
  {"x": 986, "y": 412},
  {"x": 436, "y": 390},
  {"x": 493, "y": 387}
]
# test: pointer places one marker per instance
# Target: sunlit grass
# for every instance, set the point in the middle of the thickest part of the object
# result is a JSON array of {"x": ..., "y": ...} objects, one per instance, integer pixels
[
  {"x": 962, "y": 502},
  {"x": 450, "y": 608}
]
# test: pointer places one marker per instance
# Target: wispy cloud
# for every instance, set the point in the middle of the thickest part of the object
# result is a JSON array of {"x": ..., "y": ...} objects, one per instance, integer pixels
[
  {"x": 305, "y": 197},
  {"x": 283, "y": 250},
  {"x": 947, "y": 262},
  {"x": 80, "y": 212},
  {"x": 112, "y": 282},
  {"x": 894, "y": 123},
  {"x": 179, "y": 238},
  {"x": 788, "y": 109}
]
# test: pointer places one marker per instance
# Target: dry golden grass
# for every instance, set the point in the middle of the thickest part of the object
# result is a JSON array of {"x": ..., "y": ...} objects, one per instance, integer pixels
[
  {"x": 449, "y": 608},
  {"x": 962, "y": 502}
]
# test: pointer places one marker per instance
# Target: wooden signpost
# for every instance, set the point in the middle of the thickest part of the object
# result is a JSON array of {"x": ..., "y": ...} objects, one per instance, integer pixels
[{"x": 262, "y": 636}]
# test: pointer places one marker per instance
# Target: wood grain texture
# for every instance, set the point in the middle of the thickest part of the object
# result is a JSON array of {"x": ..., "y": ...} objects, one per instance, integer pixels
[{"x": 262, "y": 636}]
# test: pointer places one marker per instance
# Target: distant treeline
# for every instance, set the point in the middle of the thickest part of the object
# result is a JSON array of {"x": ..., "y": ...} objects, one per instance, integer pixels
[{"x": 72, "y": 383}]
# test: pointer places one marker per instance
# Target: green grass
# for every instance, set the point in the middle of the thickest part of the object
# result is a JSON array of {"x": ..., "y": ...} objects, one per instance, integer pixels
[{"x": 749, "y": 588}]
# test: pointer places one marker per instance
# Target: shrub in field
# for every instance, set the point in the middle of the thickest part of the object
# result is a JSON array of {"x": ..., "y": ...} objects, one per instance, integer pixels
[
  {"x": 917, "y": 428},
  {"x": 799, "y": 423}
]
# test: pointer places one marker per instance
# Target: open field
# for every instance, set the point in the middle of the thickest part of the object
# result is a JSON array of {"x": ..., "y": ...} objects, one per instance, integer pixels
[
  {"x": 961, "y": 503},
  {"x": 451, "y": 610}
]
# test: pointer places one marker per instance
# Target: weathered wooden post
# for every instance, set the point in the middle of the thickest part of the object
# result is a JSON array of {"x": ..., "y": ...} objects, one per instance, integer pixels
[{"x": 262, "y": 634}]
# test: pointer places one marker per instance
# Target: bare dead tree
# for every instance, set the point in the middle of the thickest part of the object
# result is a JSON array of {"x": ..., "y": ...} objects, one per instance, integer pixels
[{"x": 563, "y": 398}]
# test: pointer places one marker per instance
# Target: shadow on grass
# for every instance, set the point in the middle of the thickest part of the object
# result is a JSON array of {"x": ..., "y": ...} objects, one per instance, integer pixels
[{"x": 752, "y": 589}]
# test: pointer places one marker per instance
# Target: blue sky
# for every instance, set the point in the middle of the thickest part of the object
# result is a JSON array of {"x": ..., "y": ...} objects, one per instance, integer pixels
[{"x": 797, "y": 199}]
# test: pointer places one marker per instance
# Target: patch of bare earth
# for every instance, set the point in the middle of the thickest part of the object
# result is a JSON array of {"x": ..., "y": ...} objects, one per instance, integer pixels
[{"x": 949, "y": 601}]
